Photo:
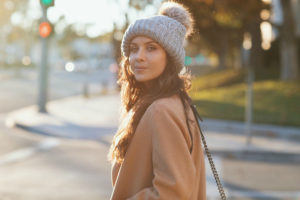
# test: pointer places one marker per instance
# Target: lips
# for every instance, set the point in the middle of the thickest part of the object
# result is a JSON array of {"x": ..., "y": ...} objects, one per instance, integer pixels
[{"x": 139, "y": 68}]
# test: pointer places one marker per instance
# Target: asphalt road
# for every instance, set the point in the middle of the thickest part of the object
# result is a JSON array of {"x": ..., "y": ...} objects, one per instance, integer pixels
[
  {"x": 36, "y": 167},
  {"x": 20, "y": 89}
]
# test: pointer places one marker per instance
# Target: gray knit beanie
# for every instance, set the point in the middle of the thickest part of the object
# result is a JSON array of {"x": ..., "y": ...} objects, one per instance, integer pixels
[{"x": 169, "y": 29}]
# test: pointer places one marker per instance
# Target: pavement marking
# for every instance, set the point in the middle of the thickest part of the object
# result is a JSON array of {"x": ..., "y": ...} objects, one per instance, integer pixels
[{"x": 24, "y": 153}]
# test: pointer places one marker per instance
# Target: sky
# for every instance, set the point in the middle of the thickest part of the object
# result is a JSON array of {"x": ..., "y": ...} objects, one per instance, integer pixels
[
  {"x": 96, "y": 17},
  {"x": 99, "y": 14}
]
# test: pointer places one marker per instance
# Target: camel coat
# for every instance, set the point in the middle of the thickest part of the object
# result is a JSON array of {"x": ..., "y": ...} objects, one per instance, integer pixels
[{"x": 158, "y": 163}]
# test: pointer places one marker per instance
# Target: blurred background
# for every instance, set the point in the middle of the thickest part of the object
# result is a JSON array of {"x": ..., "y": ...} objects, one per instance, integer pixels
[{"x": 59, "y": 100}]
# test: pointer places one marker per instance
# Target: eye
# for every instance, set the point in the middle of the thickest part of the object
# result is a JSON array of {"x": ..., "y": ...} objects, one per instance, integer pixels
[
  {"x": 133, "y": 49},
  {"x": 151, "y": 48}
]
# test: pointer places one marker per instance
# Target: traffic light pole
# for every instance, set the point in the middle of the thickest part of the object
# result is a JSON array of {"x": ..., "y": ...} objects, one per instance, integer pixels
[
  {"x": 249, "y": 104},
  {"x": 249, "y": 97},
  {"x": 43, "y": 71}
]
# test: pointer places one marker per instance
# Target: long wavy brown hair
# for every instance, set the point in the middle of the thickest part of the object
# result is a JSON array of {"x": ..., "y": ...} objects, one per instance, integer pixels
[{"x": 136, "y": 98}]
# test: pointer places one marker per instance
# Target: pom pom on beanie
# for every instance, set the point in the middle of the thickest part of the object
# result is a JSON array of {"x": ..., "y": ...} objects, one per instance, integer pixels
[{"x": 178, "y": 12}]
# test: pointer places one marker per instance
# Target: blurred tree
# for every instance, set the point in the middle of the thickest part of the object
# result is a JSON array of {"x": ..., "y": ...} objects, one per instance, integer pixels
[
  {"x": 15, "y": 34},
  {"x": 288, "y": 44},
  {"x": 117, "y": 33},
  {"x": 68, "y": 35},
  {"x": 15, "y": 26},
  {"x": 252, "y": 21},
  {"x": 6, "y": 10},
  {"x": 138, "y": 4},
  {"x": 116, "y": 38},
  {"x": 222, "y": 25},
  {"x": 65, "y": 39}
]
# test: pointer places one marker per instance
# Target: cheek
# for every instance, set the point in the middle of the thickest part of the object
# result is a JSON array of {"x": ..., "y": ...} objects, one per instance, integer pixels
[
  {"x": 164, "y": 63},
  {"x": 161, "y": 62},
  {"x": 161, "y": 67}
]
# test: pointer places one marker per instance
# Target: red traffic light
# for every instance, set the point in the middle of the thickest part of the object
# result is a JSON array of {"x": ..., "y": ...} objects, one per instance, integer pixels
[{"x": 45, "y": 29}]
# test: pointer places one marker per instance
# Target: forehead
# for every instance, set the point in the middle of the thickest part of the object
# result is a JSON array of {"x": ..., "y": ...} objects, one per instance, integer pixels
[{"x": 142, "y": 40}]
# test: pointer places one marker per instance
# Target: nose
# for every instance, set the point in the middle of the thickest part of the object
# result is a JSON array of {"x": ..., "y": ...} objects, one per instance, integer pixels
[{"x": 140, "y": 55}]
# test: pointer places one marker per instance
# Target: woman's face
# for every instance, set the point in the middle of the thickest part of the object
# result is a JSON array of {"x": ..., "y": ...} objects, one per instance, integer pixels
[{"x": 147, "y": 59}]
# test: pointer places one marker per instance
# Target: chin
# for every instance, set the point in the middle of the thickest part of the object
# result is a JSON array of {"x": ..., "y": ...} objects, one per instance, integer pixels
[{"x": 142, "y": 79}]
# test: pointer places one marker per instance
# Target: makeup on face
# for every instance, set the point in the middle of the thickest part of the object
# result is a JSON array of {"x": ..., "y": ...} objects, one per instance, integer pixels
[{"x": 147, "y": 58}]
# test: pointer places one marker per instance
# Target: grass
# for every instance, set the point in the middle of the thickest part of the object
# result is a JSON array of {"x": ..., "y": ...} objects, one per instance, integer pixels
[
  {"x": 218, "y": 79},
  {"x": 274, "y": 101}
]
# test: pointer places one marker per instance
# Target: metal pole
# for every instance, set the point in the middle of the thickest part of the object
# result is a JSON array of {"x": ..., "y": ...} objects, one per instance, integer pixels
[
  {"x": 249, "y": 104},
  {"x": 43, "y": 71}
]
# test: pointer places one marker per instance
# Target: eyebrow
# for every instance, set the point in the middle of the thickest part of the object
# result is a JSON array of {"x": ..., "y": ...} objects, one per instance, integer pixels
[{"x": 133, "y": 43}]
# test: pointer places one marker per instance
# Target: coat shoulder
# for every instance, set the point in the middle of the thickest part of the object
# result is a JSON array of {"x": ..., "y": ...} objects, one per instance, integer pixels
[
  {"x": 170, "y": 104},
  {"x": 167, "y": 108}
]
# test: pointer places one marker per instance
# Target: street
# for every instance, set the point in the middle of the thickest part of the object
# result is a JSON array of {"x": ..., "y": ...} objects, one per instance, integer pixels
[
  {"x": 34, "y": 166},
  {"x": 19, "y": 89},
  {"x": 78, "y": 169},
  {"x": 37, "y": 167},
  {"x": 71, "y": 163},
  {"x": 75, "y": 73}
]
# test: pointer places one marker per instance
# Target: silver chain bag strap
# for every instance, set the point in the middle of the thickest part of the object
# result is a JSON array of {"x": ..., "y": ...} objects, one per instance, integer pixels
[{"x": 212, "y": 165}]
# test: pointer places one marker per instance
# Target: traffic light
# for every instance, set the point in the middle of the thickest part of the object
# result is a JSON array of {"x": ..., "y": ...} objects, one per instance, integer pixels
[
  {"x": 45, "y": 29},
  {"x": 47, "y": 3}
]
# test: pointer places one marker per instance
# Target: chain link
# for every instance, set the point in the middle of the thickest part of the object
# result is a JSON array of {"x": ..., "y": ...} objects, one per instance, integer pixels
[{"x": 211, "y": 162}]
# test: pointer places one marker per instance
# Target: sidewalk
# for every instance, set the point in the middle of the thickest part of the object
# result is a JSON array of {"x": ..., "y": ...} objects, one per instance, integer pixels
[
  {"x": 96, "y": 118},
  {"x": 277, "y": 148}
]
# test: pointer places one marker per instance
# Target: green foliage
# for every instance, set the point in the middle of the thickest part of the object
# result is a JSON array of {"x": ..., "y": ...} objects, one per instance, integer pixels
[
  {"x": 222, "y": 24},
  {"x": 218, "y": 79},
  {"x": 275, "y": 102}
]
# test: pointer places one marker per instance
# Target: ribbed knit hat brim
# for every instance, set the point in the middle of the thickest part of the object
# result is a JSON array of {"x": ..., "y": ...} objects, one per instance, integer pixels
[
  {"x": 168, "y": 29},
  {"x": 164, "y": 30}
]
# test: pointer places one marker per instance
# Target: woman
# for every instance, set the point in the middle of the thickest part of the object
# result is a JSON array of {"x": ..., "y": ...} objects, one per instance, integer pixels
[{"x": 156, "y": 153}]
